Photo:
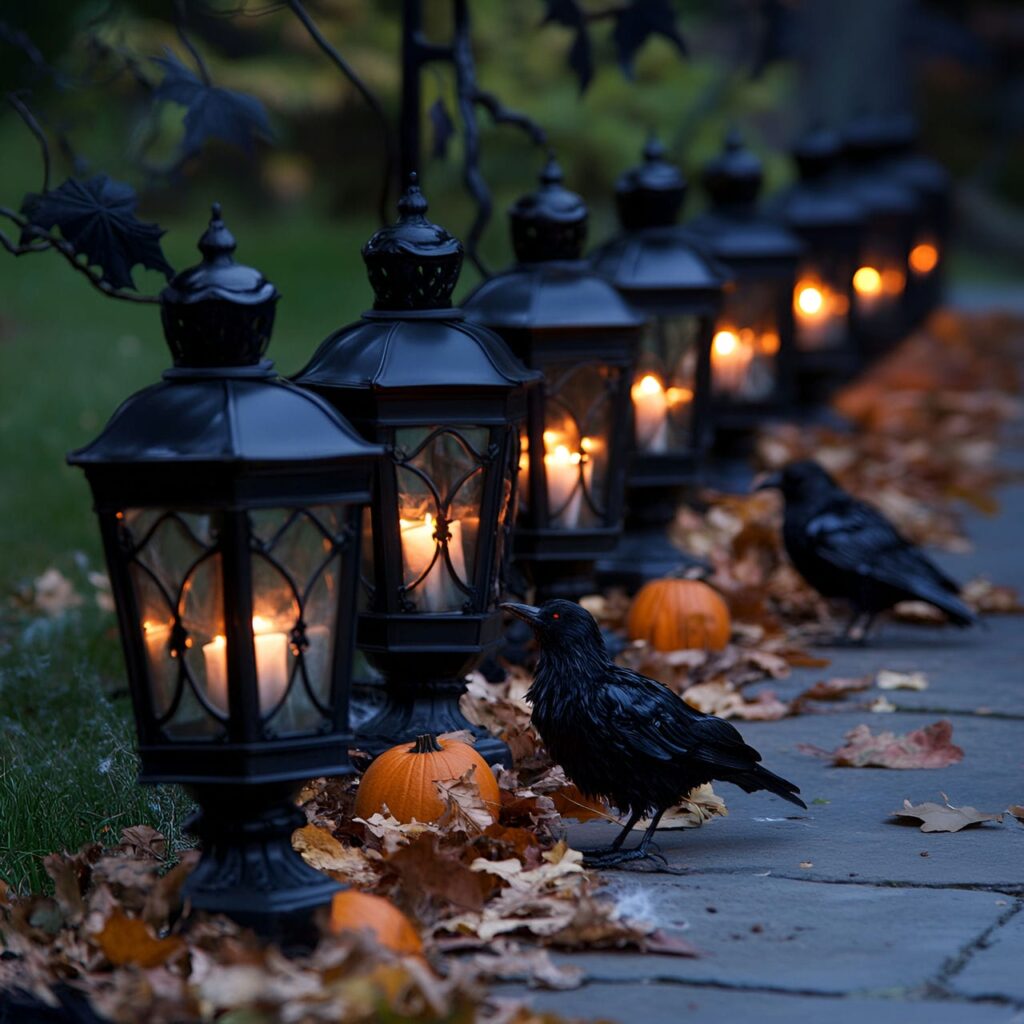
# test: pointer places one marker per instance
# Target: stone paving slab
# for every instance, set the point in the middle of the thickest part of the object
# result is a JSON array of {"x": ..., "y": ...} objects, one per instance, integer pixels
[
  {"x": 851, "y": 838},
  {"x": 998, "y": 967},
  {"x": 660, "y": 1004},
  {"x": 765, "y": 932}
]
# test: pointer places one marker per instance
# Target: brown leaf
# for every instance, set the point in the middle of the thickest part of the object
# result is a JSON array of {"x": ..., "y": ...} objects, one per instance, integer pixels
[
  {"x": 322, "y": 851},
  {"x": 1017, "y": 810},
  {"x": 930, "y": 747},
  {"x": 834, "y": 689},
  {"x": 985, "y": 596},
  {"x": 464, "y": 807},
  {"x": 429, "y": 871},
  {"x": 53, "y": 593},
  {"x": 571, "y": 803},
  {"x": 127, "y": 940},
  {"x": 944, "y": 817},
  {"x": 699, "y": 806},
  {"x": 720, "y": 697},
  {"x": 142, "y": 840}
]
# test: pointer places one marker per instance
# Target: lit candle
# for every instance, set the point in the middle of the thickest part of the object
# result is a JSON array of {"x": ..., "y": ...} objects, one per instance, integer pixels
[
  {"x": 650, "y": 409},
  {"x": 867, "y": 283},
  {"x": 157, "y": 636},
  {"x": 731, "y": 353},
  {"x": 812, "y": 307},
  {"x": 271, "y": 649},
  {"x": 567, "y": 473},
  {"x": 923, "y": 258},
  {"x": 438, "y": 590}
]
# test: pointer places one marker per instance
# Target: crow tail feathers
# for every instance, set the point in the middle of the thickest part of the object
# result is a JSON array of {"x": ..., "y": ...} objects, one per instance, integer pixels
[{"x": 760, "y": 778}]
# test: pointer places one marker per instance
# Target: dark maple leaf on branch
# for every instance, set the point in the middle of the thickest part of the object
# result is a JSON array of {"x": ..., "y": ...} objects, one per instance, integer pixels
[{"x": 97, "y": 217}]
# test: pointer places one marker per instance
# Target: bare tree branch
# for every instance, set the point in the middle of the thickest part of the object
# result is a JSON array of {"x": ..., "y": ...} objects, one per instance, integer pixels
[
  {"x": 34, "y": 127},
  {"x": 371, "y": 100},
  {"x": 179, "y": 25}
]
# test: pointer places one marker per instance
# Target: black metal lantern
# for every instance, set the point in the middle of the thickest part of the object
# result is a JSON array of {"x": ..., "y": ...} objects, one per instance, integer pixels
[
  {"x": 892, "y": 212},
  {"x": 752, "y": 357},
  {"x": 930, "y": 181},
  {"x": 230, "y": 502},
  {"x": 829, "y": 221},
  {"x": 562, "y": 318},
  {"x": 665, "y": 272},
  {"x": 445, "y": 397}
]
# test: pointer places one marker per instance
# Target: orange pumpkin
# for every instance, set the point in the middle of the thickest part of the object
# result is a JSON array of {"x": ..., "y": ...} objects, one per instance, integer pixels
[
  {"x": 673, "y": 614},
  {"x": 353, "y": 911},
  {"x": 403, "y": 778}
]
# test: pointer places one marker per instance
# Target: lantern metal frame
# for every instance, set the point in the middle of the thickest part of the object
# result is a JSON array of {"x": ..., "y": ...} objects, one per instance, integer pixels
[
  {"x": 757, "y": 251},
  {"x": 666, "y": 273},
  {"x": 892, "y": 214},
  {"x": 183, "y": 468},
  {"x": 565, "y": 320},
  {"x": 415, "y": 363},
  {"x": 829, "y": 220}
]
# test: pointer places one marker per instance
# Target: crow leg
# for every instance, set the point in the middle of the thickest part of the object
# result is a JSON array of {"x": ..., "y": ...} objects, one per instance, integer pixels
[
  {"x": 850, "y": 634},
  {"x": 601, "y": 851},
  {"x": 614, "y": 856}
]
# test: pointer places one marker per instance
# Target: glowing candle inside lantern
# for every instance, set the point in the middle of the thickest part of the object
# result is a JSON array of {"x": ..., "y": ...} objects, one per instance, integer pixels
[
  {"x": 650, "y": 409},
  {"x": 567, "y": 473},
  {"x": 437, "y": 591},
  {"x": 157, "y": 636},
  {"x": 923, "y": 258},
  {"x": 867, "y": 283},
  {"x": 731, "y": 354},
  {"x": 271, "y": 648},
  {"x": 813, "y": 308}
]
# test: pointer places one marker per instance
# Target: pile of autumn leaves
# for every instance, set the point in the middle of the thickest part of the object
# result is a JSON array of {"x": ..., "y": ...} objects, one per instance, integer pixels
[{"x": 490, "y": 899}]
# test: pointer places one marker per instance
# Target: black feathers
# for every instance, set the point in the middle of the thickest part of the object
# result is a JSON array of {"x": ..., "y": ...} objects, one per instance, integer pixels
[
  {"x": 621, "y": 735},
  {"x": 847, "y": 549}
]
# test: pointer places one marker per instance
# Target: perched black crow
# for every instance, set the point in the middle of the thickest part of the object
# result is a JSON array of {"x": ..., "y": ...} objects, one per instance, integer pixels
[
  {"x": 623, "y": 736},
  {"x": 847, "y": 549}
]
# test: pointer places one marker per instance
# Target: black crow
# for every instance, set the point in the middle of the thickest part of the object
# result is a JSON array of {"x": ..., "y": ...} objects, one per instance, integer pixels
[
  {"x": 625, "y": 737},
  {"x": 845, "y": 548}
]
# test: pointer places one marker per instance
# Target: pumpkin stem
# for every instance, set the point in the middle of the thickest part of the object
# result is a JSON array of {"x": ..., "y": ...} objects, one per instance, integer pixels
[{"x": 425, "y": 744}]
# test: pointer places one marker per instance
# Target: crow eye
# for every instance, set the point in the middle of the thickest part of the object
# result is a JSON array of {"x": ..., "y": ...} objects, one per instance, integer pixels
[{"x": 555, "y": 615}]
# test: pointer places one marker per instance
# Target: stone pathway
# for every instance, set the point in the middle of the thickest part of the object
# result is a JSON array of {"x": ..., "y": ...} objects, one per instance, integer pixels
[{"x": 838, "y": 914}]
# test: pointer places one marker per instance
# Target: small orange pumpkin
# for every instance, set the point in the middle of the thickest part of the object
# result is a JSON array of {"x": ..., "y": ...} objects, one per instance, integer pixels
[
  {"x": 353, "y": 911},
  {"x": 404, "y": 776},
  {"x": 673, "y": 614}
]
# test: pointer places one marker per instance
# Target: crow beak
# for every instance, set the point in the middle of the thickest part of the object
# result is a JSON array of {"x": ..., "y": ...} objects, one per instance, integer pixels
[
  {"x": 766, "y": 481},
  {"x": 526, "y": 612}
]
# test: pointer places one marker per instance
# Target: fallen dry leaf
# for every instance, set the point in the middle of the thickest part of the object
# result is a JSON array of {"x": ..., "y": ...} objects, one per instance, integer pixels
[
  {"x": 889, "y": 680},
  {"x": 882, "y": 706},
  {"x": 930, "y": 747},
  {"x": 127, "y": 940},
  {"x": 721, "y": 697},
  {"x": 700, "y": 806},
  {"x": 944, "y": 817},
  {"x": 985, "y": 596},
  {"x": 464, "y": 808},
  {"x": 320, "y": 850},
  {"x": 53, "y": 593},
  {"x": 834, "y": 689}
]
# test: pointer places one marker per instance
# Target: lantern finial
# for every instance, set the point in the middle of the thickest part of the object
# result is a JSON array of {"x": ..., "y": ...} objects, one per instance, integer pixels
[
  {"x": 650, "y": 195},
  {"x": 550, "y": 223},
  {"x": 413, "y": 264},
  {"x": 735, "y": 176},
  {"x": 218, "y": 313}
]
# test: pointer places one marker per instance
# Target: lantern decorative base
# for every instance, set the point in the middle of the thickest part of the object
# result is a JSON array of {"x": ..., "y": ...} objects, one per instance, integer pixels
[
  {"x": 646, "y": 554},
  {"x": 248, "y": 869},
  {"x": 412, "y": 709}
]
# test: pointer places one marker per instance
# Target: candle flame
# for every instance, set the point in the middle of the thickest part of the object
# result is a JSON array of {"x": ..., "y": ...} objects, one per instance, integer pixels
[
  {"x": 893, "y": 281},
  {"x": 809, "y": 299},
  {"x": 219, "y": 642},
  {"x": 770, "y": 343},
  {"x": 679, "y": 396},
  {"x": 725, "y": 343},
  {"x": 923, "y": 258},
  {"x": 647, "y": 385},
  {"x": 588, "y": 444},
  {"x": 867, "y": 281}
]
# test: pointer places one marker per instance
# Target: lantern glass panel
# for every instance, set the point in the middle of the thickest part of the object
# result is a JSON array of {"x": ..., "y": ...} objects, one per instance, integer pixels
[
  {"x": 440, "y": 479},
  {"x": 578, "y": 413},
  {"x": 176, "y": 569},
  {"x": 821, "y": 301},
  {"x": 745, "y": 346},
  {"x": 665, "y": 383}
]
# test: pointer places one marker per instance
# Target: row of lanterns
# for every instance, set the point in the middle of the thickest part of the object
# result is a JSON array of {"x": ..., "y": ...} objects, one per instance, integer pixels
[{"x": 258, "y": 530}]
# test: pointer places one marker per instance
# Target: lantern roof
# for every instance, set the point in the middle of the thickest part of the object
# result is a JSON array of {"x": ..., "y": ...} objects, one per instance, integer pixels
[
  {"x": 384, "y": 353},
  {"x": 660, "y": 259},
  {"x": 413, "y": 263},
  {"x": 549, "y": 223},
  {"x": 652, "y": 193},
  {"x": 550, "y": 296},
  {"x": 221, "y": 403}
]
